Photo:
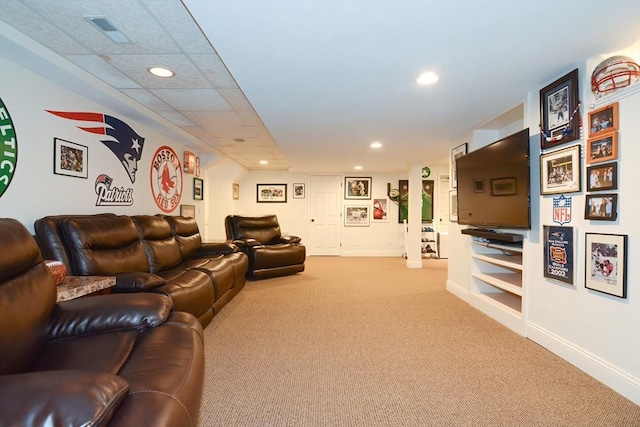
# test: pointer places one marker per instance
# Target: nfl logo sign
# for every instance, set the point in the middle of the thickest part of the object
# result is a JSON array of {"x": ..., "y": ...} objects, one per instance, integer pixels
[{"x": 562, "y": 210}]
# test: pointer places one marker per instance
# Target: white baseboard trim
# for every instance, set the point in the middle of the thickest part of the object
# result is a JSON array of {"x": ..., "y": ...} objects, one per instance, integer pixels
[
  {"x": 620, "y": 381},
  {"x": 458, "y": 290},
  {"x": 391, "y": 254}
]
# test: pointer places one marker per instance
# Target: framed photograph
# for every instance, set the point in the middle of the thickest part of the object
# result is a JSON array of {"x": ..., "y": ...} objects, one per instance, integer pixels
[
  {"x": 198, "y": 189},
  {"x": 602, "y": 148},
  {"x": 70, "y": 159},
  {"x": 357, "y": 188},
  {"x": 271, "y": 193},
  {"x": 197, "y": 171},
  {"x": 189, "y": 163},
  {"x": 558, "y": 253},
  {"x": 606, "y": 266},
  {"x": 503, "y": 186},
  {"x": 453, "y": 206},
  {"x": 602, "y": 177},
  {"x": 603, "y": 120},
  {"x": 560, "y": 171},
  {"x": 601, "y": 207},
  {"x": 559, "y": 111},
  {"x": 356, "y": 216},
  {"x": 188, "y": 211},
  {"x": 459, "y": 151},
  {"x": 235, "y": 191},
  {"x": 298, "y": 191},
  {"x": 478, "y": 185},
  {"x": 381, "y": 210}
]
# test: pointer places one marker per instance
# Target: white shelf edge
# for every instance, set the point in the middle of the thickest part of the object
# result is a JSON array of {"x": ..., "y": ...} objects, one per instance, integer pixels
[
  {"x": 510, "y": 282},
  {"x": 501, "y": 260},
  {"x": 505, "y": 302}
]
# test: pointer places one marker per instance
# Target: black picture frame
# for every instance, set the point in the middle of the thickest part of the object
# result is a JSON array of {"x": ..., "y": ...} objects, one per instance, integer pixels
[
  {"x": 70, "y": 159},
  {"x": 559, "y": 111},
  {"x": 198, "y": 189},
  {"x": 602, "y": 177},
  {"x": 559, "y": 253},
  {"x": 357, "y": 188},
  {"x": 601, "y": 207},
  {"x": 606, "y": 263},
  {"x": 271, "y": 193},
  {"x": 458, "y": 151},
  {"x": 298, "y": 190}
]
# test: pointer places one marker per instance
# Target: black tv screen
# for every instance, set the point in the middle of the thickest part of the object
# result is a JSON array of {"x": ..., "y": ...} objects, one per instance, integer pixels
[{"x": 493, "y": 184}]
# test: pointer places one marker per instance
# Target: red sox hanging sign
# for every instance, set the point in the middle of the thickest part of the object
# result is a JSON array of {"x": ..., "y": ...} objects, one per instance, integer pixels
[{"x": 166, "y": 179}]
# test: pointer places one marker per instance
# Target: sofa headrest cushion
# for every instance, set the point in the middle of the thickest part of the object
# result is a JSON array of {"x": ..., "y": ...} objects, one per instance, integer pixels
[{"x": 20, "y": 251}]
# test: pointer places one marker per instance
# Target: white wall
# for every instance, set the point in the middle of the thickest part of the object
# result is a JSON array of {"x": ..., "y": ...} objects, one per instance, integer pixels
[{"x": 597, "y": 332}]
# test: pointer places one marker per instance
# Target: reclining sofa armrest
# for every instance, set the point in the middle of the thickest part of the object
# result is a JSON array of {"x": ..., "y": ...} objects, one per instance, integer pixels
[
  {"x": 211, "y": 249},
  {"x": 137, "y": 282},
  {"x": 246, "y": 243},
  {"x": 68, "y": 397},
  {"x": 107, "y": 313},
  {"x": 290, "y": 239}
]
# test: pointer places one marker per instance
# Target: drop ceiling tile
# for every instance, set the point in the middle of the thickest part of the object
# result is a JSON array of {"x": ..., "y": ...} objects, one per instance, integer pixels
[
  {"x": 97, "y": 66},
  {"x": 220, "y": 123},
  {"x": 236, "y": 99},
  {"x": 136, "y": 67},
  {"x": 176, "y": 118},
  {"x": 147, "y": 99},
  {"x": 214, "y": 69},
  {"x": 192, "y": 100}
]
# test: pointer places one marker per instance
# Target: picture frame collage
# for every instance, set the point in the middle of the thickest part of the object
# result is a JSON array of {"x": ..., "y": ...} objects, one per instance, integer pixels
[{"x": 561, "y": 172}]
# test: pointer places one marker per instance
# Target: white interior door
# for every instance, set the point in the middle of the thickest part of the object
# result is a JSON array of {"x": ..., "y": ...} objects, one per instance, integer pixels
[
  {"x": 443, "y": 203},
  {"x": 325, "y": 197}
]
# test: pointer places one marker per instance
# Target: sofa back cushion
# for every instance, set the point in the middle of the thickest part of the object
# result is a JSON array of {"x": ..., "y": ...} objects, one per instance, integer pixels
[
  {"x": 161, "y": 247},
  {"x": 102, "y": 246},
  {"x": 27, "y": 298},
  {"x": 264, "y": 229},
  {"x": 48, "y": 231},
  {"x": 187, "y": 234}
]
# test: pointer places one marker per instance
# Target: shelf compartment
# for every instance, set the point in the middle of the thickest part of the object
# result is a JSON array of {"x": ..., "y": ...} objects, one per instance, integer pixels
[
  {"x": 509, "y": 261},
  {"x": 510, "y": 282},
  {"x": 504, "y": 301}
]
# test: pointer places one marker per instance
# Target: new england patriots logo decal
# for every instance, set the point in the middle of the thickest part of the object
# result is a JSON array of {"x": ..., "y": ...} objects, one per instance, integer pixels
[{"x": 127, "y": 145}]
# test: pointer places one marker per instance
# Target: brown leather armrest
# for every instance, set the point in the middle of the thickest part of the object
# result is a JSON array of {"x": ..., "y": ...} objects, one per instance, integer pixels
[
  {"x": 209, "y": 249},
  {"x": 70, "y": 398},
  {"x": 290, "y": 239},
  {"x": 90, "y": 315},
  {"x": 137, "y": 282},
  {"x": 247, "y": 243}
]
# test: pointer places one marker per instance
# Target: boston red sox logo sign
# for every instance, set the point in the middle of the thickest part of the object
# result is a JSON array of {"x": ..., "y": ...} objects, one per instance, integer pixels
[{"x": 166, "y": 179}]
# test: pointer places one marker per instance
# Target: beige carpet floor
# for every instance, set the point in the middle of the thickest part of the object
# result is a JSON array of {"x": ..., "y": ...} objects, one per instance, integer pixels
[{"x": 369, "y": 342}]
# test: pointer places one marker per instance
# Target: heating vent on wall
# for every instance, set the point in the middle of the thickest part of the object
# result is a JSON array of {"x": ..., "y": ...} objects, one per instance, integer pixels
[{"x": 108, "y": 28}]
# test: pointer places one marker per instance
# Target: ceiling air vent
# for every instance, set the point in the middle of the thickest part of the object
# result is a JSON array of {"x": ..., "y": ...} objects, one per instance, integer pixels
[{"x": 108, "y": 28}]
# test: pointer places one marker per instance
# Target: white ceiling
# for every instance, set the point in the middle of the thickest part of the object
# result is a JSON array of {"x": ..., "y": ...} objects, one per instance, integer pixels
[{"x": 309, "y": 85}]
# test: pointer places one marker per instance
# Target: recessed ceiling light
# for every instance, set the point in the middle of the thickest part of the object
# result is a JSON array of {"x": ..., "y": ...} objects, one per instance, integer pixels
[
  {"x": 427, "y": 78},
  {"x": 264, "y": 162},
  {"x": 376, "y": 144},
  {"x": 357, "y": 168},
  {"x": 161, "y": 72}
]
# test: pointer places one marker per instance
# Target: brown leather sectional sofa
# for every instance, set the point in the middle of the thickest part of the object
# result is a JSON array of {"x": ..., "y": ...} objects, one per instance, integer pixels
[
  {"x": 148, "y": 253},
  {"x": 109, "y": 360}
]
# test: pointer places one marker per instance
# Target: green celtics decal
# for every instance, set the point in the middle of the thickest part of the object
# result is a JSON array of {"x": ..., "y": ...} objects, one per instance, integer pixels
[{"x": 8, "y": 149}]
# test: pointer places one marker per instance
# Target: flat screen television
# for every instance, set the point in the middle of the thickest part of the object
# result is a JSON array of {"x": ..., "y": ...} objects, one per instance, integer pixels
[{"x": 493, "y": 184}]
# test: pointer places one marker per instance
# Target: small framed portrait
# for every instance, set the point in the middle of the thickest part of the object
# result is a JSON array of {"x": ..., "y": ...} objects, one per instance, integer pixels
[
  {"x": 189, "y": 163},
  {"x": 70, "y": 159},
  {"x": 357, "y": 188},
  {"x": 235, "y": 191},
  {"x": 188, "y": 211},
  {"x": 603, "y": 120},
  {"x": 602, "y": 177},
  {"x": 606, "y": 263},
  {"x": 271, "y": 193},
  {"x": 457, "y": 152},
  {"x": 602, "y": 207},
  {"x": 298, "y": 191},
  {"x": 559, "y": 112},
  {"x": 381, "y": 210},
  {"x": 560, "y": 171},
  {"x": 356, "y": 216},
  {"x": 503, "y": 186},
  {"x": 198, "y": 189},
  {"x": 602, "y": 148}
]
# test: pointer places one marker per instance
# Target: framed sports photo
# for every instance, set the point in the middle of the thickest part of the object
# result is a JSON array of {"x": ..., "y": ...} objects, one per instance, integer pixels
[
  {"x": 271, "y": 193},
  {"x": 356, "y": 216},
  {"x": 602, "y": 148},
  {"x": 357, "y": 188},
  {"x": 559, "y": 111},
  {"x": 606, "y": 266},
  {"x": 70, "y": 159},
  {"x": 558, "y": 253},
  {"x": 459, "y": 151},
  {"x": 603, "y": 120},
  {"x": 560, "y": 171}
]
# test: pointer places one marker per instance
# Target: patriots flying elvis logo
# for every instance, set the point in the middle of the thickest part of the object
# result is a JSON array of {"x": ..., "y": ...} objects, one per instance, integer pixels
[{"x": 127, "y": 146}]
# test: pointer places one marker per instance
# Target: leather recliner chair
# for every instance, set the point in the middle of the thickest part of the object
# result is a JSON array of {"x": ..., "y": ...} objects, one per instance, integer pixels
[
  {"x": 108, "y": 360},
  {"x": 270, "y": 254}
]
